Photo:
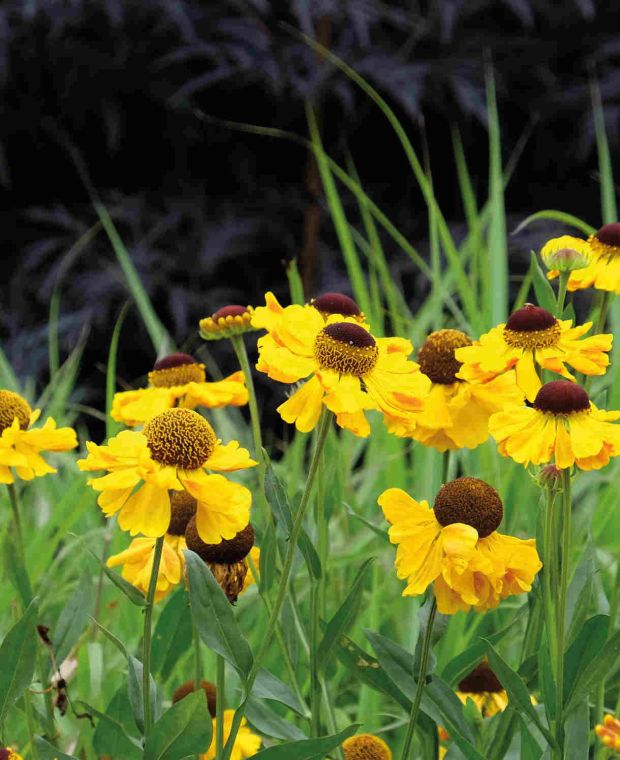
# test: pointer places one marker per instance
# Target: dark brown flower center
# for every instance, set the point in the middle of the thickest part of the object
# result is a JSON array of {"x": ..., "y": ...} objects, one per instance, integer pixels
[
  {"x": 336, "y": 303},
  {"x": 346, "y": 348},
  {"x": 174, "y": 360},
  {"x": 532, "y": 327},
  {"x": 562, "y": 397},
  {"x": 609, "y": 234},
  {"x": 180, "y": 438},
  {"x": 481, "y": 679},
  {"x": 227, "y": 552},
  {"x": 182, "y": 509},
  {"x": 234, "y": 310},
  {"x": 470, "y": 501},
  {"x": 13, "y": 406},
  {"x": 188, "y": 687},
  {"x": 176, "y": 369},
  {"x": 436, "y": 355}
]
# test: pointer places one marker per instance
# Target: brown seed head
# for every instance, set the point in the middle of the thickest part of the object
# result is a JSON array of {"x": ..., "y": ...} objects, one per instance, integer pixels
[
  {"x": 481, "y": 679},
  {"x": 227, "y": 552},
  {"x": 470, "y": 501},
  {"x": 234, "y": 310},
  {"x": 188, "y": 688},
  {"x": 346, "y": 348},
  {"x": 609, "y": 234},
  {"x": 562, "y": 397},
  {"x": 182, "y": 509},
  {"x": 12, "y": 406},
  {"x": 180, "y": 438},
  {"x": 366, "y": 747},
  {"x": 436, "y": 355},
  {"x": 176, "y": 369},
  {"x": 336, "y": 303}
]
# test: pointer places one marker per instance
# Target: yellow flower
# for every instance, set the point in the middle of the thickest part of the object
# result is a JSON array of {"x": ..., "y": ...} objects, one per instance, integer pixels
[
  {"x": 456, "y": 412},
  {"x": 171, "y": 453},
  {"x": 21, "y": 445},
  {"x": 6, "y": 753},
  {"x": 456, "y": 547},
  {"x": 484, "y": 689},
  {"x": 350, "y": 370},
  {"x": 366, "y": 747},
  {"x": 137, "y": 561},
  {"x": 563, "y": 423},
  {"x": 247, "y": 743},
  {"x": 603, "y": 273},
  {"x": 226, "y": 322},
  {"x": 177, "y": 380},
  {"x": 534, "y": 336},
  {"x": 609, "y": 732},
  {"x": 565, "y": 254}
]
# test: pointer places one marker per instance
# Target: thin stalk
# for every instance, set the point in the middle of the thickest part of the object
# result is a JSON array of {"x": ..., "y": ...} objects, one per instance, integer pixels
[
  {"x": 197, "y": 658},
  {"x": 563, "y": 283},
  {"x": 445, "y": 471},
  {"x": 561, "y": 609},
  {"x": 18, "y": 522},
  {"x": 146, "y": 640},
  {"x": 219, "y": 706},
  {"x": 244, "y": 363},
  {"x": 30, "y": 723},
  {"x": 415, "y": 707},
  {"x": 323, "y": 427}
]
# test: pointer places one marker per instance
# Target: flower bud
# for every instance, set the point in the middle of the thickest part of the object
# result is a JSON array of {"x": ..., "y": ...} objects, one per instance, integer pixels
[{"x": 566, "y": 254}]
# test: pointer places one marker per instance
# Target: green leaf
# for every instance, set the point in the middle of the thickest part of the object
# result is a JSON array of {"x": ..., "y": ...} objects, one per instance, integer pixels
[
  {"x": 545, "y": 296},
  {"x": 580, "y": 594},
  {"x": 14, "y": 569},
  {"x": 557, "y": 216},
  {"x": 17, "y": 659},
  {"x": 344, "y": 617},
  {"x": 545, "y": 679},
  {"x": 173, "y": 634},
  {"x": 269, "y": 723},
  {"x": 114, "y": 730},
  {"x": 518, "y": 693},
  {"x": 306, "y": 749},
  {"x": 214, "y": 618},
  {"x": 583, "y": 657},
  {"x": 135, "y": 690},
  {"x": 112, "y": 426},
  {"x": 112, "y": 735},
  {"x": 268, "y": 686},
  {"x": 267, "y": 562},
  {"x": 577, "y": 732},
  {"x": 185, "y": 729},
  {"x": 48, "y": 752},
  {"x": 73, "y": 619},
  {"x": 131, "y": 592},
  {"x": 530, "y": 748}
]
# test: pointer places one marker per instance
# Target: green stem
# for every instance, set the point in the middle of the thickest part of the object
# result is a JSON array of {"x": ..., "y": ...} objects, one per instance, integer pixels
[
  {"x": 323, "y": 427},
  {"x": 561, "y": 609},
  {"x": 197, "y": 658},
  {"x": 219, "y": 706},
  {"x": 445, "y": 469},
  {"x": 415, "y": 707},
  {"x": 601, "y": 318},
  {"x": 30, "y": 723},
  {"x": 146, "y": 640},
  {"x": 19, "y": 532},
  {"x": 563, "y": 283}
]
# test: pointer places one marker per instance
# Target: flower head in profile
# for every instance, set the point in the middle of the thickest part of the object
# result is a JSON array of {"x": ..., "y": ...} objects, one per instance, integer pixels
[
  {"x": 603, "y": 271},
  {"x": 177, "y": 380},
  {"x": 6, "y": 753},
  {"x": 366, "y": 747},
  {"x": 563, "y": 425},
  {"x": 227, "y": 322},
  {"x": 456, "y": 412},
  {"x": 247, "y": 743},
  {"x": 484, "y": 689},
  {"x": 534, "y": 336},
  {"x": 137, "y": 559},
  {"x": 348, "y": 370},
  {"x": 209, "y": 689},
  {"x": 609, "y": 732},
  {"x": 173, "y": 452},
  {"x": 456, "y": 546},
  {"x": 21, "y": 444},
  {"x": 565, "y": 254}
]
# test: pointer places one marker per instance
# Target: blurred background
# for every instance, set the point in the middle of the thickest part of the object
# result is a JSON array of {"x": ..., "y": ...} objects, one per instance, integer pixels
[{"x": 132, "y": 101}]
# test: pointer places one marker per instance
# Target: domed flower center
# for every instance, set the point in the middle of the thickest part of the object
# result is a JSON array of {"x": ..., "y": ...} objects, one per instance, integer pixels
[
  {"x": 188, "y": 687},
  {"x": 176, "y": 369},
  {"x": 531, "y": 327},
  {"x": 606, "y": 242},
  {"x": 366, "y": 747},
  {"x": 481, "y": 679},
  {"x": 12, "y": 406},
  {"x": 562, "y": 397},
  {"x": 336, "y": 303},
  {"x": 346, "y": 348},
  {"x": 180, "y": 438},
  {"x": 227, "y": 552},
  {"x": 470, "y": 501},
  {"x": 436, "y": 355},
  {"x": 233, "y": 310},
  {"x": 182, "y": 509}
]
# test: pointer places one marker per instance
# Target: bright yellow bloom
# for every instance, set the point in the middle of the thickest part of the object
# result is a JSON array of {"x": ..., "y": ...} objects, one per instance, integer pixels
[
  {"x": 227, "y": 322},
  {"x": 456, "y": 412},
  {"x": 137, "y": 562},
  {"x": 366, "y": 747},
  {"x": 350, "y": 370},
  {"x": 562, "y": 424},
  {"x": 172, "y": 453},
  {"x": 534, "y": 336},
  {"x": 604, "y": 271},
  {"x": 484, "y": 689},
  {"x": 247, "y": 743},
  {"x": 21, "y": 445},
  {"x": 6, "y": 753},
  {"x": 456, "y": 547},
  {"x": 565, "y": 254},
  {"x": 177, "y": 380},
  {"x": 609, "y": 732}
]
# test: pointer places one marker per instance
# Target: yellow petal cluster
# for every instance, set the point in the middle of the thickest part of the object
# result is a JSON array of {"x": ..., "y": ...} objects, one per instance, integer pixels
[
  {"x": 609, "y": 732},
  {"x": 247, "y": 742}
]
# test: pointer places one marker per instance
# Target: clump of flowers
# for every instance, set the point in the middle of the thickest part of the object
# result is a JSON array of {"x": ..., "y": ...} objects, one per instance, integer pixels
[
  {"x": 456, "y": 412},
  {"x": 603, "y": 271},
  {"x": 172, "y": 453},
  {"x": 456, "y": 546},
  {"x": 366, "y": 747},
  {"x": 21, "y": 444},
  {"x": 177, "y": 380},
  {"x": 533, "y": 336}
]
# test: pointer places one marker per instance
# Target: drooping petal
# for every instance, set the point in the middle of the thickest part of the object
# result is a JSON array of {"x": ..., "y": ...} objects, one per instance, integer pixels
[{"x": 229, "y": 458}]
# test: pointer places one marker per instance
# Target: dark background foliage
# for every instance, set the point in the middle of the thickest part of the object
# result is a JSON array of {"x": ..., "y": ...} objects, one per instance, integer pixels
[{"x": 210, "y": 213}]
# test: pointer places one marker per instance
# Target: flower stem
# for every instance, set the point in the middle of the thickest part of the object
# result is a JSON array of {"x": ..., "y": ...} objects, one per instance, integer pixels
[
  {"x": 563, "y": 283},
  {"x": 19, "y": 533},
  {"x": 415, "y": 707},
  {"x": 323, "y": 427},
  {"x": 146, "y": 640},
  {"x": 197, "y": 658},
  {"x": 219, "y": 706}
]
